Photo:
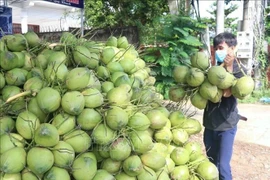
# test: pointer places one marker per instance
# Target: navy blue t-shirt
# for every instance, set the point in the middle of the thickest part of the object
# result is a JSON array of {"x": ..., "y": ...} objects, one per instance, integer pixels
[{"x": 223, "y": 115}]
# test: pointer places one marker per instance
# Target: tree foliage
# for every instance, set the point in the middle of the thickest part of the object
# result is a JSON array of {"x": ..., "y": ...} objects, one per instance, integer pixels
[
  {"x": 111, "y": 13},
  {"x": 230, "y": 23},
  {"x": 180, "y": 37}
]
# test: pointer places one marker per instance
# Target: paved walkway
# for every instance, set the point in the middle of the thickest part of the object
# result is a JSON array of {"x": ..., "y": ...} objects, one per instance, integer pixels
[{"x": 257, "y": 128}]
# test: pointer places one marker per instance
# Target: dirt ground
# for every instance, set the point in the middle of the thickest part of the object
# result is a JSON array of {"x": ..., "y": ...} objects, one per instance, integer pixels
[{"x": 251, "y": 156}]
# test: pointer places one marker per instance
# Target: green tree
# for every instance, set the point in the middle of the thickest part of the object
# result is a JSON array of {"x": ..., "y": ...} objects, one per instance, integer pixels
[
  {"x": 230, "y": 23},
  {"x": 112, "y": 13}
]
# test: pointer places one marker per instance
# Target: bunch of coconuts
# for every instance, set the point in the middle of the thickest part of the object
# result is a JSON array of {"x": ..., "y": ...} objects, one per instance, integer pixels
[{"x": 202, "y": 82}]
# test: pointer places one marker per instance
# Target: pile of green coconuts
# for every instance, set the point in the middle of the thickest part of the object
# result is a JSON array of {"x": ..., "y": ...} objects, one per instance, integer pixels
[{"x": 79, "y": 109}]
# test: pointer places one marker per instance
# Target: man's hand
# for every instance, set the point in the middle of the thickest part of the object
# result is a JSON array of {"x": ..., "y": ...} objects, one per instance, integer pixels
[
  {"x": 227, "y": 92},
  {"x": 228, "y": 61}
]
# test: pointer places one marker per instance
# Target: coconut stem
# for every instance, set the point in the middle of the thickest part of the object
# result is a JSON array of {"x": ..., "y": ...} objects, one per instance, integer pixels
[{"x": 17, "y": 96}]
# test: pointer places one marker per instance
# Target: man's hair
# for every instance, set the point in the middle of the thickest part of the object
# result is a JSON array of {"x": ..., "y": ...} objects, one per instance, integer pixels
[{"x": 226, "y": 37}]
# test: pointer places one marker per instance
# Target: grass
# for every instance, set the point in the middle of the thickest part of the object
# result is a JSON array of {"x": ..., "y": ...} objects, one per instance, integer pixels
[{"x": 256, "y": 96}]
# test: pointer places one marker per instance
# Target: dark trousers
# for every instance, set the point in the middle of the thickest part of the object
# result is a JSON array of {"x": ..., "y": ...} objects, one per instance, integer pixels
[{"x": 219, "y": 149}]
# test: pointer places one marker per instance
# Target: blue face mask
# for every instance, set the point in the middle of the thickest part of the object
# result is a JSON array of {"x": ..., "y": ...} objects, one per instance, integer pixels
[{"x": 220, "y": 55}]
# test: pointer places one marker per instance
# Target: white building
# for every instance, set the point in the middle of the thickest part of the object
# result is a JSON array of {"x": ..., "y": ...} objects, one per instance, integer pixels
[{"x": 46, "y": 16}]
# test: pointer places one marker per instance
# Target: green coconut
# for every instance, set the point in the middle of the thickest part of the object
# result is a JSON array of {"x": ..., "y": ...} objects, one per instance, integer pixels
[
  {"x": 48, "y": 99},
  {"x": 9, "y": 91},
  {"x": 243, "y": 87},
  {"x": 116, "y": 118},
  {"x": 78, "y": 78},
  {"x": 157, "y": 119},
  {"x": 110, "y": 54},
  {"x": 179, "y": 73},
  {"x": 218, "y": 96},
  {"x": 46, "y": 135},
  {"x": 64, "y": 154},
  {"x": 56, "y": 173},
  {"x": 2, "y": 81},
  {"x": 128, "y": 65},
  {"x": 124, "y": 79},
  {"x": 68, "y": 38},
  {"x": 198, "y": 101},
  {"x": 116, "y": 75},
  {"x": 83, "y": 57},
  {"x": 56, "y": 73},
  {"x": 57, "y": 57},
  {"x": 195, "y": 150},
  {"x": 26, "y": 124},
  {"x": 227, "y": 82},
  {"x": 106, "y": 86},
  {"x": 13, "y": 160},
  {"x": 11, "y": 140},
  {"x": 14, "y": 176},
  {"x": 180, "y": 173},
  {"x": 28, "y": 174},
  {"x": 163, "y": 135},
  {"x": 133, "y": 166},
  {"x": 103, "y": 175},
  {"x": 139, "y": 62},
  {"x": 122, "y": 42},
  {"x": 35, "y": 72},
  {"x": 162, "y": 175},
  {"x": 93, "y": 98},
  {"x": 89, "y": 118},
  {"x": 63, "y": 122},
  {"x": 149, "y": 81},
  {"x": 180, "y": 136},
  {"x": 177, "y": 93},
  {"x": 103, "y": 135},
  {"x": 32, "y": 39},
  {"x": 141, "y": 141},
  {"x": 84, "y": 166},
  {"x": 124, "y": 176},
  {"x": 111, "y": 41},
  {"x": 180, "y": 156},
  {"x": 78, "y": 139},
  {"x": 16, "y": 76},
  {"x": 195, "y": 77},
  {"x": 148, "y": 174},
  {"x": 103, "y": 72},
  {"x": 139, "y": 121},
  {"x": 29, "y": 62},
  {"x": 17, "y": 43},
  {"x": 7, "y": 124},
  {"x": 41, "y": 61},
  {"x": 216, "y": 75},
  {"x": 35, "y": 109},
  {"x": 34, "y": 84},
  {"x": 192, "y": 126},
  {"x": 3, "y": 46},
  {"x": 11, "y": 60},
  {"x": 120, "y": 149},
  {"x": 115, "y": 66},
  {"x": 207, "y": 170},
  {"x": 208, "y": 90},
  {"x": 73, "y": 102},
  {"x": 142, "y": 74},
  {"x": 200, "y": 60},
  {"x": 111, "y": 166},
  {"x": 120, "y": 96},
  {"x": 177, "y": 118},
  {"x": 153, "y": 160},
  {"x": 39, "y": 160}
]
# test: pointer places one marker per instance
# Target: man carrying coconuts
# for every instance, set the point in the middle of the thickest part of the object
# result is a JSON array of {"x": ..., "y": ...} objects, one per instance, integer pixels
[{"x": 220, "y": 119}]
